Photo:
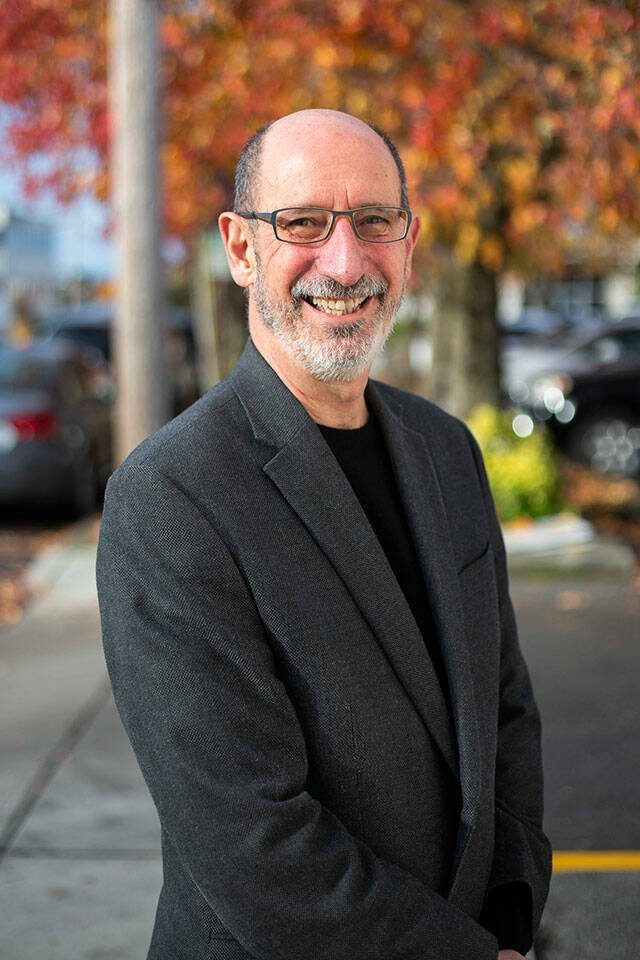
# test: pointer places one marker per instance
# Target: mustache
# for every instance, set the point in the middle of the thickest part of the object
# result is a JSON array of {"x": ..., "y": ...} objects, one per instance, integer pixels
[{"x": 329, "y": 289}]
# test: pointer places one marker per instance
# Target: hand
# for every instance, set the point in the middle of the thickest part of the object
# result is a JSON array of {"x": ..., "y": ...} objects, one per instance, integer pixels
[{"x": 510, "y": 955}]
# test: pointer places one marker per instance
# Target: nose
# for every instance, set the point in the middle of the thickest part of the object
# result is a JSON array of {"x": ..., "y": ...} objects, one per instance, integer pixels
[{"x": 341, "y": 257}]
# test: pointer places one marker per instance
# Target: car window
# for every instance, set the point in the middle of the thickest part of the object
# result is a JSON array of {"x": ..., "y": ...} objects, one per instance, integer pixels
[
  {"x": 96, "y": 337},
  {"x": 611, "y": 348},
  {"x": 608, "y": 350},
  {"x": 71, "y": 386},
  {"x": 630, "y": 341},
  {"x": 19, "y": 372}
]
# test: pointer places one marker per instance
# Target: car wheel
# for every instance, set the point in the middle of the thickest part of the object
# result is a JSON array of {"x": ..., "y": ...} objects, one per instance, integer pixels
[{"x": 608, "y": 442}]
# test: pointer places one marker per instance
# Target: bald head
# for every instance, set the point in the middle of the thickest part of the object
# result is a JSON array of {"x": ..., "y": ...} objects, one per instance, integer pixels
[
  {"x": 305, "y": 123},
  {"x": 307, "y": 119},
  {"x": 306, "y": 132}
]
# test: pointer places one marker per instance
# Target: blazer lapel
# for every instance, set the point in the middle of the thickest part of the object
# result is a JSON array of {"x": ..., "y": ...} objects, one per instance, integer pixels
[
  {"x": 426, "y": 513},
  {"x": 309, "y": 477}
]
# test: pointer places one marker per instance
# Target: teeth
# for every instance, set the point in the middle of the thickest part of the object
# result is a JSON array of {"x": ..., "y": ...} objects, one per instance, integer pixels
[{"x": 337, "y": 307}]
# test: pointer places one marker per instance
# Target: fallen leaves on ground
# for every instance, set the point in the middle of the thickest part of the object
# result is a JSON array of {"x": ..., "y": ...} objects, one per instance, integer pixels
[
  {"x": 21, "y": 541},
  {"x": 611, "y": 504}
]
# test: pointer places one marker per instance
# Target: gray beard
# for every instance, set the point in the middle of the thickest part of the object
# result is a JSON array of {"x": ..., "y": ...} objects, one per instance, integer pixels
[{"x": 342, "y": 352}]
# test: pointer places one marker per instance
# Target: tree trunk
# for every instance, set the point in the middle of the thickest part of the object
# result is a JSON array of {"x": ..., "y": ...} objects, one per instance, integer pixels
[
  {"x": 465, "y": 334},
  {"x": 447, "y": 329}
]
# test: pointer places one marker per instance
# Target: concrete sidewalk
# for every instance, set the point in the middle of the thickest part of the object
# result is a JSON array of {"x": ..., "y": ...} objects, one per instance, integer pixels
[
  {"x": 80, "y": 869},
  {"x": 79, "y": 839}
]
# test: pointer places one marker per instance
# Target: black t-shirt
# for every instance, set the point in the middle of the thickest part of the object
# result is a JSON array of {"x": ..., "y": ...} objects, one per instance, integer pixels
[{"x": 365, "y": 461}]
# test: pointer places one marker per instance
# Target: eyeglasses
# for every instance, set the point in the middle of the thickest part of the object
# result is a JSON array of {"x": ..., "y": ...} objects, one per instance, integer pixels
[{"x": 312, "y": 225}]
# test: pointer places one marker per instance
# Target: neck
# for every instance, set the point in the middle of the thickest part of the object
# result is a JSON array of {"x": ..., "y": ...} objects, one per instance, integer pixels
[{"x": 333, "y": 404}]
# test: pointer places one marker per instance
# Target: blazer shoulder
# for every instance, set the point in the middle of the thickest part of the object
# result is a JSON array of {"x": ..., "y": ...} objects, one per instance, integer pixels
[{"x": 200, "y": 434}]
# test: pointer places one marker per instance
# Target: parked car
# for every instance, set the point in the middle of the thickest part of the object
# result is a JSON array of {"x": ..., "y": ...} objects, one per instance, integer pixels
[
  {"x": 590, "y": 400},
  {"x": 55, "y": 432},
  {"x": 538, "y": 340},
  {"x": 88, "y": 324},
  {"x": 91, "y": 324},
  {"x": 535, "y": 324}
]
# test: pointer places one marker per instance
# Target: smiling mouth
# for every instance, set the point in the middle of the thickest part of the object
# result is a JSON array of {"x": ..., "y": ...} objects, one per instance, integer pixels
[{"x": 336, "y": 308}]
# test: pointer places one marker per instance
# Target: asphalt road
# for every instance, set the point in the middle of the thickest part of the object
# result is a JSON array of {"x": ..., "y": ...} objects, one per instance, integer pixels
[{"x": 582, "y": 642}]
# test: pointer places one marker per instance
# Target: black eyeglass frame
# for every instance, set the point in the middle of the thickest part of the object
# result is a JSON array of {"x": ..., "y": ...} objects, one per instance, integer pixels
[{"x": 271, "y": 218}]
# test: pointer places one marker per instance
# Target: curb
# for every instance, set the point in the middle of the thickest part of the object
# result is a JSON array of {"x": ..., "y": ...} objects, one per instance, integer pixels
[
  {"x": 565, "y": 544},
  {"x": 45, "y": 570},
  {"x": 74, "y": 557},
  {"x": 562, "y": 544}
]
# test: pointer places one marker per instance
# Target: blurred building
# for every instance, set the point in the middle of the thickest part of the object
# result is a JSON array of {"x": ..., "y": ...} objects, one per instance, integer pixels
[
  {"x": 597, "y": 284},
  {"x": 27, "y": 269},
  {"x": 580, "y": 297}
]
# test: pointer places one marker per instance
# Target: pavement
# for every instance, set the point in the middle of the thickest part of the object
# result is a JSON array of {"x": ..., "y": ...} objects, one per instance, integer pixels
[
  {"x": 80, "y": 868},
  {"x": 566, "y": 544}
]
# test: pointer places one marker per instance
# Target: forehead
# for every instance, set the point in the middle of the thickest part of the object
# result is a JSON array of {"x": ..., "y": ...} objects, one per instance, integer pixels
[{"x": 327, "y": 164}]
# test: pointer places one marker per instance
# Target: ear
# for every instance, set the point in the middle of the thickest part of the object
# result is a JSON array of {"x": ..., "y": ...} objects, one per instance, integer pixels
[
  {"x": 412, "y": 237},
  {"x": 238, "y": 244}
]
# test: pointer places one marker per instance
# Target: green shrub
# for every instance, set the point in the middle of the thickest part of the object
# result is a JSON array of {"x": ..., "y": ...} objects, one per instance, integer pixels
[{"x": 522, "y": 471}]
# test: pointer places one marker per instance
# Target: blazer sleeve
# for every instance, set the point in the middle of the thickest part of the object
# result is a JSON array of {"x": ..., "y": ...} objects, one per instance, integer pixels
[
  {"x": 522, "y": 852},
  {"x": 223, "y": 753}
]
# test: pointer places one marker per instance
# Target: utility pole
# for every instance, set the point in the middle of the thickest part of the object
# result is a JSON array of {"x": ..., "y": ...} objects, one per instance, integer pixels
[{"x": 142, "y": 403}]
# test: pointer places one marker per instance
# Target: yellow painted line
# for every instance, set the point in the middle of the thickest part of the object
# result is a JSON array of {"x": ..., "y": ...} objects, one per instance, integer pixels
[{"x": 596, "y": 861}]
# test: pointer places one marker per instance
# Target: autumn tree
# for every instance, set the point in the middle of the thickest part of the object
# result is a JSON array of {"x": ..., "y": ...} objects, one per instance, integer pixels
[
  {"x": 520, "y": 123},
  {"x": 519, "y": 120}
]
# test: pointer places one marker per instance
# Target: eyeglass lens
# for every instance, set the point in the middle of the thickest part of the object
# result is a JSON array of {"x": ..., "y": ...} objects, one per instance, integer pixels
[{"x": 375, "y": 224}]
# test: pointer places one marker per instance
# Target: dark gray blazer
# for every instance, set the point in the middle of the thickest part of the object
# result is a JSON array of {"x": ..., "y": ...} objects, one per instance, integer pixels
[{"x": 279, "y": 695}]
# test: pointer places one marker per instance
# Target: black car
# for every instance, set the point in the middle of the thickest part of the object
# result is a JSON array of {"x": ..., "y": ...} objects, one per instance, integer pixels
[
  {"x": 87, "y": 324},
  {"x": 535, "y": 324},
  {"x": 92, "y": 324},
  {"x": 55, "y": 430},
  {"x": 590, "y": 400}
]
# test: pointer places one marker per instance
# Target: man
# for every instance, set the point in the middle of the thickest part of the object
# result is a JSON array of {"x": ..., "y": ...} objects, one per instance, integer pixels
[{"x": 305, "y": 611}]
